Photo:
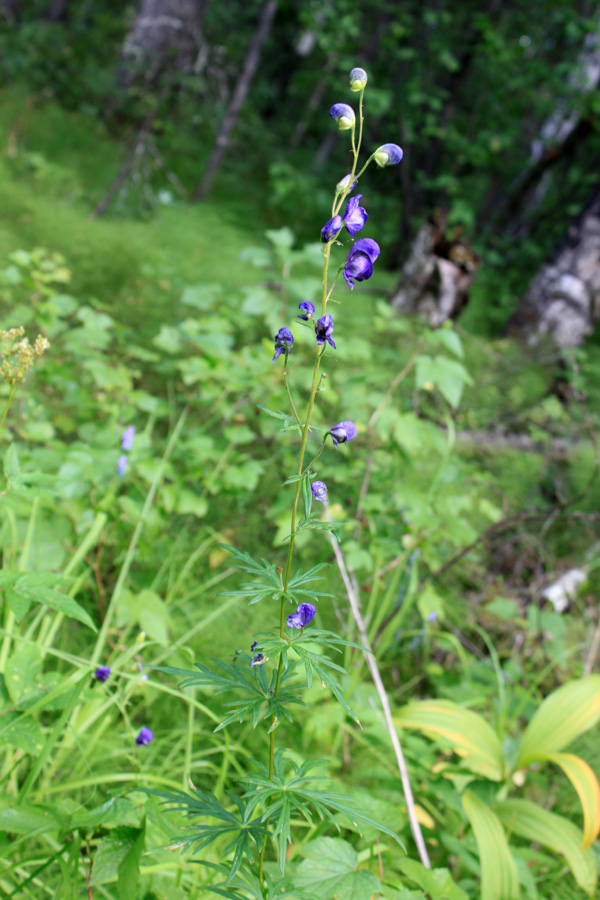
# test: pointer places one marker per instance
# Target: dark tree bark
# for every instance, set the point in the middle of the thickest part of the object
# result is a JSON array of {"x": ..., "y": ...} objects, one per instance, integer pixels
[
  {"x": 563, "y": 299},
  {"x": 57, "y": 10},
  {"x": 239, "y": 95},
  {"x": 436, "y": 277},
  {"x": 165, "y": 32}
]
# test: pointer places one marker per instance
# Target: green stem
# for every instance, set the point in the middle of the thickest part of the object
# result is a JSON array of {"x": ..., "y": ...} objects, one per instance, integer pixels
[
  {"x": 11, "y": 397},
  {"x": 287, "y": 387}
]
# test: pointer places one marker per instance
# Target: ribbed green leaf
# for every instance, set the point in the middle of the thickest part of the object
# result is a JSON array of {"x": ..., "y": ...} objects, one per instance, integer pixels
[
  {"x": 499, "y": 879},
  {"x": 469, "y": 735},
  {"x": 563, "y": 716},
  {"x": 534, "y": 823}
]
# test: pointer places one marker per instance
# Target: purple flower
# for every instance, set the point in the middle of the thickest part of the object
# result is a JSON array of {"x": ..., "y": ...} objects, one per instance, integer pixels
[
  {"x": 309, "y": 310},
  {"x": 355, "y": 217},
  {"x": 144, "y": 737},
  {"x": 343, "y": 115},
  {"x": 342, "y": 432},
  {"x": 319, "y": 491},
  {"x": 102, "y": 673},
  {"x": 329, "y": 231},
  {"x": 284, "y": 340},
  {"x": 258, "y": 660},
  {"x": 344, "y": 184},
  {"x": 388, "y": 155},
  {"x": 359, "y": 264},
  {"x": 431, "y": 617},
  {"x": 127, "y": 438},
  {"x": 254, "y": 646},
  {"x": 324, "y": 330},
  {"x": 302, "y": 616},
  {"x": 358, "y": 79},
  {"x": 121, "y": 466}
]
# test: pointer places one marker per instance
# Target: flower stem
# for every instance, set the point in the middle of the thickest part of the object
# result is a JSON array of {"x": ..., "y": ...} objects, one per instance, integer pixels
[
  {"x": 11, "y": 397},
  {"x": 287, "y": 387}
]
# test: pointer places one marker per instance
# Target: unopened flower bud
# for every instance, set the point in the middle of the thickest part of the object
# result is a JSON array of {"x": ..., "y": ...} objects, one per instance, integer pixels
[
  {"x": 343, "y": 115},
  {"x": 388, "y": 155},
  {"x": 344, "y": 184},
  {"x": 358, "y": 79}
]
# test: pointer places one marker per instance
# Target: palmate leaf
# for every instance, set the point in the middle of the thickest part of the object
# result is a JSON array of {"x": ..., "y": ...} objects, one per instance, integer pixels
[
  {"x": 281, "y": 797},
  {"x": 247, "y": 882},
  {"x": 247, "y": 832},
  {"x": 260, "y": 567}
]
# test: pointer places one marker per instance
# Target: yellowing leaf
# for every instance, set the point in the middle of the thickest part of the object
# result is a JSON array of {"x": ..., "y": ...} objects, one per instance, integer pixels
[
  {"x": 499, "y": 879},
  {"x": 469, "y": 734},
  {"x": 586, "y": 784},
  {"x": 563, "y": 716},
  {"x": 534, "y": 823}
]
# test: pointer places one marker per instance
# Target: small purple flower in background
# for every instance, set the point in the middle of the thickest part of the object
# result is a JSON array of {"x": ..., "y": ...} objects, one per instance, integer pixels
[
  {"x": 254, "y": 646},
  {"x": 324, "y": 330},
  {"x": 319, "y": 491},
  {"x": 258, "y": 660},
  {"x": 127, "y": 438},
  {"x": 121, "y": 466},
  {"x": 302, "y": 616},
  {"x": 344, "y": 184},
  {"x": 355, "y": 217},
  {"x": 388, "y": 155},
  {"x": 431, "y": 617},
  {"x": 358, "y": 79},
  {"x": 309, "y": 310},
  {"x": 329, "y": 231},
  {"x": 359, "y": 264},
  {"x": 284, "y": 340},
  {"x": 144, "y": 737},
  {"x": 343, "y": 432},
  {"x": 343, "y": 115},
  {"x": 102, "y": 673}
]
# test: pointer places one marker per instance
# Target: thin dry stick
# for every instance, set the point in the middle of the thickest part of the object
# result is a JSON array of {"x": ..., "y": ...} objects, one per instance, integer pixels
[
  {"x": 353, "y": 599},
  {"x": 590, "y": 661}
]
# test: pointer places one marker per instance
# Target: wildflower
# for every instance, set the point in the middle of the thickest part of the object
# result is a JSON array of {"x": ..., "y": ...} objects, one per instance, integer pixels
[
  {"x": 358, "y": 79},
  {"x": 355, "y": 217},
  {"x": 121, "y": 466},
  {"x": 388, "y": 155},
  {"x": 284, "y": 340},
  {"x": 144, "y": 737},
  {"x": 302, "y": 616},
  {"x": 102, "y": 673},
  {"x": 309, "y": 310},
  {"x": 329, "y": 231},
  {"x": 343, "y": 432},
  {"x": 324, "y": 330},
  {"x": 253, "y": 646},
  {"x": 319, "y": 491},
  {"x": 431, "y": 617},
  {"x": 344, "y": 184},
  {"x": 258, "y": 660},
  {"x": 127, "y": 438},
  {"x": 359, "y": 264},
  {"x": 343, "y": 115}
]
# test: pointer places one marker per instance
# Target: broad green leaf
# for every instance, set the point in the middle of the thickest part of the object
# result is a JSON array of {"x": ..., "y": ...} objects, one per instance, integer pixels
[
  {"x": 437, "y": 883},
  {"x": 499, "y": 879},
  {"x": 564, "y": 715},
  {"x": 468, "y": 733},
  {"x": 115, "y": 857},
  {"x": 330, "y": 871},
  {"x": 534, "y": 823},
  {"x": 12, "y": 469},
  {"x": 34, "y": 586},
  {"x": 586, "y": 784},
  {"x": 19, "y": 605},
  {"x": 24, "y": 819},
  {"x": 21, "y": 731},
  {"x": 129, "y": 868},
  {"x": 22, "y": 675}
]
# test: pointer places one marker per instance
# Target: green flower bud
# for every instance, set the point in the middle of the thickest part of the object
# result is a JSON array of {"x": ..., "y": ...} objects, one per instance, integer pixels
[{"x": 358, "y": 79}]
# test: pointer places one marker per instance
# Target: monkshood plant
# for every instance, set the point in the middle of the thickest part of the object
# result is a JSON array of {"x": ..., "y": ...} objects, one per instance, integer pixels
[{"x": 270, "y": 679}]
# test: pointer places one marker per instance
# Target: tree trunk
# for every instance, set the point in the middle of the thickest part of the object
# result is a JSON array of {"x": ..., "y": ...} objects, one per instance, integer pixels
[
  {"x": 436, "y": 277},
  {"x": 164, "y": 32},
  {"x": 57, "y": 10},
  {"x": 239, "y": 95},
  {"x": 563, "y": 299}
]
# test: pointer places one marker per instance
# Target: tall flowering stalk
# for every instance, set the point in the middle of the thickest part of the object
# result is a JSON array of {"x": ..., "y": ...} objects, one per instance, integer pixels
[{"x": 266, "y": 680}]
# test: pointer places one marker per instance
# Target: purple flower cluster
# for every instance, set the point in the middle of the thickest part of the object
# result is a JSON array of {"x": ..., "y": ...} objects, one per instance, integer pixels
[{"x": 126, "y": 444}]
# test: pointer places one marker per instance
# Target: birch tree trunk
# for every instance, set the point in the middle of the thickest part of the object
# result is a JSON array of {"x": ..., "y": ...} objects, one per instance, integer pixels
[
  {"x": 563, "y": 299},
  {"x": 164, "y": 32},
  {"x": 242, "y": 87}
]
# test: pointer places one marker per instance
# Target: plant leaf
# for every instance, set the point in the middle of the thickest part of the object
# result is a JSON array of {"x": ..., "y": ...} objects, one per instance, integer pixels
[
  {"x": 534, "y": 823},
  {"x": 330, "y": 870},
  {"x": 499, "y": 879},
  {"x": 468, "y": 733},
  {"x": 586, "y": 784},
  {"x": 437, "y": 883},
  {"x": 564, "y": 715}
]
